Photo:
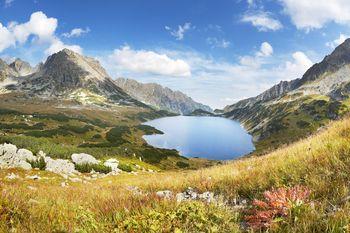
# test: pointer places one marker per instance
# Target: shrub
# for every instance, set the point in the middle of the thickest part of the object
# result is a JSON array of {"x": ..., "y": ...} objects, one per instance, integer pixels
[
  {"x": 125, "y": 167},
  {"x": 115, "y": 135},
  {"x": 181, "y": 164},
  {"x": 39, "y": 163},
  {"x": 88, "y": 167},
  {"x": 278, "y": 205},
  {"x": 97, "y": 136}
]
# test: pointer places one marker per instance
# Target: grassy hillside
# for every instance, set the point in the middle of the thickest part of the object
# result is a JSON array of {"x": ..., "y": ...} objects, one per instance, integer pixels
[
  {"x": 286, "y": 121},
  {"x": 61, "y": 129},
  {"x": 319, "y": 164}
]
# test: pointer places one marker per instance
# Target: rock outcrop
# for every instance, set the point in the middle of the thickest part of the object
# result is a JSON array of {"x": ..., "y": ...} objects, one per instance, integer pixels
[
  {"x": 161, "y": 97},
  {"x": 83, "y": 158},
  {"x": 11, "y": 157}
]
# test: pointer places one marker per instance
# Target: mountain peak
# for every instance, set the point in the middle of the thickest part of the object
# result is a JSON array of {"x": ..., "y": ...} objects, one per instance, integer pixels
[{"x": 21, "y": 67}]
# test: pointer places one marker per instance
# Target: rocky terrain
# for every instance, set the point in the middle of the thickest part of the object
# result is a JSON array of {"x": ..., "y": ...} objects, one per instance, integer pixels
[
  {"x": 161, "y": 97},
  {"x": 66, "y": 75},
  {"x": 302, "y": 105}
]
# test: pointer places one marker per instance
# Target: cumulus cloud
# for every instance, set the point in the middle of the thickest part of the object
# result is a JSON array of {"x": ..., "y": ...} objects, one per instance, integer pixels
[
  {"x": 337, "y": 41},
  {"x": 297, "y": 67},
  {"x": 57, "y": 45},
  {"x": 6, "y": 38},
  {"x": 218, "y": 43},
  {"x": 41, "y": 27},
  {"x": 266, "y": 50},
  {"x": 310, "y": 14},
  {"x": 263, "y": 21},
  {"x": 76, "y": 32},
  {"x": 180, "y": 32},
  {"x": 143, "y": 61}
]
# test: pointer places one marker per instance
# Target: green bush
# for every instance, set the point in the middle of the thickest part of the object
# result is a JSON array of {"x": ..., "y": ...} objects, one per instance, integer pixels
[
  {"x": 181, "y": 164},
  {"x": 88, "y": 167},
  {"x": 125, "y": 167},
  {"x": 40, "y": 163},
  {"x": 115, "y": 135}
]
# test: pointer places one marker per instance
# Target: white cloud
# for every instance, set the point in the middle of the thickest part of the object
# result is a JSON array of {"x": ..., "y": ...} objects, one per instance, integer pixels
[
  {"x": 76, "y": 32},
  {"x": 57, "y": 45},
  {"x": 41, "y": 27},
  {"x": 298, "y": 66},
  {"x": 263, "y": 21},
  {"x": 266, "y": 50},
  {"x": 218, "y": 43},
  {"x": 8, "y": 3},
  {"x": 6, "y": 38},
  {"x": 143, "y": 61},
  {"x": 311, "y": 14},
  {"x": 180, "y": 32},
  {"x": 337, "y": 41},
  {"x": 216, "y": 82}
]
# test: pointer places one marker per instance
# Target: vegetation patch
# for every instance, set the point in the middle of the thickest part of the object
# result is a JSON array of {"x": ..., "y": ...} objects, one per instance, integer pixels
[{"x": 88, "y": 167}]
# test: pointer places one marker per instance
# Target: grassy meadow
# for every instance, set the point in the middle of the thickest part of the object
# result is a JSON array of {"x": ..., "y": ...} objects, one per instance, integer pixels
[{"x": 320, "y": 163}]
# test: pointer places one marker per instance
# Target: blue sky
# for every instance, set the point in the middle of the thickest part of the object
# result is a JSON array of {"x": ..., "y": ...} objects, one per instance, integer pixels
[{"x": 217, "y": 52}]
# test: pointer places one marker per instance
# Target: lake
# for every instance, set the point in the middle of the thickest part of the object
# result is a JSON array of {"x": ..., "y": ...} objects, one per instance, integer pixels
[{"x": 205, "y": 137}]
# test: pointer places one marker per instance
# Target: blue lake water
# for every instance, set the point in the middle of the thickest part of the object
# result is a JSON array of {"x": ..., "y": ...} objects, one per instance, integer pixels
[{"x": 205, "y": 137}]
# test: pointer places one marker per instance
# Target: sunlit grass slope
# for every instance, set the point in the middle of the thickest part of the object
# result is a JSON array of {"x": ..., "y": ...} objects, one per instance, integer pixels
[{"x": 321, "y": 163}]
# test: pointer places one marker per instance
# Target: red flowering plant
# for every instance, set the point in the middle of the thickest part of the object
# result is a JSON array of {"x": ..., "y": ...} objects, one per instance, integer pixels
[{"x": 278, "y": 205}]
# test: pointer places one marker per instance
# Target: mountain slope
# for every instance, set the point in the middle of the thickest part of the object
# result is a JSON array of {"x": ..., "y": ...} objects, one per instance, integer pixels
[
  {"x": 161, "y": 97},
  {"x": 22, "y": 68},
  {"x": 69, "y": 75},
  {"x": 290, "y": 110}
]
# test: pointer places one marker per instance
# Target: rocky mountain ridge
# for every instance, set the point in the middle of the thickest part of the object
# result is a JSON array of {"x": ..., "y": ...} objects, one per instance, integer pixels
[
  {"x": 161, "y": 97},
  {"x": 67, "y": 75},
  {"x": 302, "y": 104}
]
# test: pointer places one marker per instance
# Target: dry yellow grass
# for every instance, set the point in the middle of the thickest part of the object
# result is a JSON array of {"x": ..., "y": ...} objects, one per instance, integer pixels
[{"x": 320, "y": 162}]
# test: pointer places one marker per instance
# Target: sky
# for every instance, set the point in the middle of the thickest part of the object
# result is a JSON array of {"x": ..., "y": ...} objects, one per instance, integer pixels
[{"x": 217, "y": 52}]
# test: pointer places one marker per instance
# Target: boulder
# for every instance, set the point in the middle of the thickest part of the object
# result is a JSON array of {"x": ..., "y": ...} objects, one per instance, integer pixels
[
  {"x": 166, "y": 194},
  {"x": 84, "y": 159},
  {"x": 113, "y": 164},
  {"x": 26, "y": 155},
  {"x": 59, "y": 166},
  {"x": 10, "y": 157}
]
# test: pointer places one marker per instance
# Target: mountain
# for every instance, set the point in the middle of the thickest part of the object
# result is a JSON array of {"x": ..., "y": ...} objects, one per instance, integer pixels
[
  {"x": 161, "y": 97},
  {"x": 69, "y": 75},
  {"x": 292, "y": 109},
  {"x": 22, "y": 68}
]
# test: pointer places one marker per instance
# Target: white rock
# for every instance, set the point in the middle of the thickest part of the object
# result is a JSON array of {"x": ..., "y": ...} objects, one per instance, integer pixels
[
  {"x": 59, "y": 166},
  {"x": 84, "y": 159},
  {"x": 31, "y": 188},
  {"x": 10, "y": 157},
  {"x": 12, "y": 176},
  {"x": 113, "y": 164},
  {"x": 26, "y": 155},
  {"x": 166, "y": 194}
]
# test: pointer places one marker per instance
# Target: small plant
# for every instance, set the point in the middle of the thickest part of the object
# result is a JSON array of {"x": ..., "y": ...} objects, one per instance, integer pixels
[
  {"x": 279, "y": 204},
  {"x": 125, "y": 167},
  {"x": 88, "y": 167},
  {"x": 39, "y": 163}
]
